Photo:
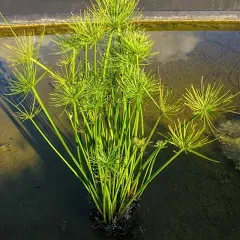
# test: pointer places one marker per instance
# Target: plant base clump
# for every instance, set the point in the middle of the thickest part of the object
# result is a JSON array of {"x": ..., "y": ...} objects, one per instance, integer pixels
[
  {"x": 229, "y": 137},
  {"x": 120, "y": 226}
]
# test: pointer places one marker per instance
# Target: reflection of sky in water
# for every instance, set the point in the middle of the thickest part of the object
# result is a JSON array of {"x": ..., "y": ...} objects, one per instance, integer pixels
[
  {"x": 46, "y": 51},
  {"x": 170, "y": 45},
  {"x": 174, "y": 45}
]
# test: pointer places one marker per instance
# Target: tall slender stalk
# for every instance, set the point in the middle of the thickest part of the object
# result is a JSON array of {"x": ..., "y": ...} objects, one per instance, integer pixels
[
  {"x": 86, "y": 60},
  {"x": 95, "y": 58},
  {"x": 57, "y": 152},
  {"x": 105, "y": 63},
  {"x": 143, "y": 187}
]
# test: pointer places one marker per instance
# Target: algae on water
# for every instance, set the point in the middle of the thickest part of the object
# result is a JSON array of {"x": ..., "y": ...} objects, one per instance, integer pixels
[{"x": 229, "y": 137}]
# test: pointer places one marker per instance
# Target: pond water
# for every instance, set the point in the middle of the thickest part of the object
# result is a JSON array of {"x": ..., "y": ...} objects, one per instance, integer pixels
[{"x": 191, "y": 199}]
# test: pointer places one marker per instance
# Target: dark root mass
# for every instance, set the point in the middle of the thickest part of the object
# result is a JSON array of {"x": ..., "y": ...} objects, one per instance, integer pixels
[{"x": 120, "y": 226}]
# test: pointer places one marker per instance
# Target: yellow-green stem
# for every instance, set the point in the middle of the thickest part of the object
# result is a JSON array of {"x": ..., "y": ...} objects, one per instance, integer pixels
[
  {"x": 95, "y": 59},
  {"x": 57, "y": 152},
  {"x": 107, "y": 53},
  {"x": 140, "y": 191},
  {"x": 86, "y": 60}
]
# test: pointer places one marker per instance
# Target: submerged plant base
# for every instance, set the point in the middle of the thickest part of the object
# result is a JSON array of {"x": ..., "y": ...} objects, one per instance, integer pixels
[{"x": 120, "y": 226}]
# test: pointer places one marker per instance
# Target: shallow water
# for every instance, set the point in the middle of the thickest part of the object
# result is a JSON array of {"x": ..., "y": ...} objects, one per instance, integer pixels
[{"x": 191, "y": 199}]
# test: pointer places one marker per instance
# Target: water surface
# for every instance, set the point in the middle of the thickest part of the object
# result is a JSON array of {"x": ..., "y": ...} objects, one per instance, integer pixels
[{"x": 191, "y": 199}]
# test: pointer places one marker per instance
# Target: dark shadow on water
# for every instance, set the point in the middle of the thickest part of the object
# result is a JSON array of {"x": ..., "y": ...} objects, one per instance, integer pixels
[{"x": 46, "y": 201}]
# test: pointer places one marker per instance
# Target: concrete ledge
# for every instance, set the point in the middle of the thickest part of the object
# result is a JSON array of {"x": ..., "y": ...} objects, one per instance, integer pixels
[{"x": 150, "y": 20}]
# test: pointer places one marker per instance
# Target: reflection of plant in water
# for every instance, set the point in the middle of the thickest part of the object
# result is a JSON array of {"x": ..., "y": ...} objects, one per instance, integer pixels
[{"x": 103, "y": 97}]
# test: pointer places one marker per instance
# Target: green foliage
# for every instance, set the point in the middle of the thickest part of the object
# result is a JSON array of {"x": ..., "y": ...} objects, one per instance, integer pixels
[
  {"x": 167, "y": 102},
  {"x": 135, "y": 45},
  {"x": 103, "y": 98},
  {"x": 134, "y": 83},
  {"x": 87, "y": 30},
  {"x": 207, "y": 102},
  {"x": 115, "y": 14}
]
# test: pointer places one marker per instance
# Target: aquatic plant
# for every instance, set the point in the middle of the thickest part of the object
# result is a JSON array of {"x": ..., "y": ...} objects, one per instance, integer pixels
[
  {"x": 208, "y": 102},
  {"x": 101, "y": 85}
]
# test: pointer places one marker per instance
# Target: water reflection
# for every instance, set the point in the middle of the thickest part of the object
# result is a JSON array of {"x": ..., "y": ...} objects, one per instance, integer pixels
[
  {"x": 186, "y": 57},
  {"x": 174, "y": 45},
  {"x": 47, "y": 46}
]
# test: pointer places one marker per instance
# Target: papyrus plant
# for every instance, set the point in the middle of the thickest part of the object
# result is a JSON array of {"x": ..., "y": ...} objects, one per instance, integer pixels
[{"x": 101, "y": 85}]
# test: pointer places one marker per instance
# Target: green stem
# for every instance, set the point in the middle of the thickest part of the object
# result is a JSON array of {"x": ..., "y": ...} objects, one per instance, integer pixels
[
  {"x": 54, "y": 75},
  {"x": 73, "y": 65},
  {"x": 95, "y": 59},
  {"x": 86, "y": 60},
  {"x": 136, "y": 122},
  {"x": 53, "y": 125},
  {"x": 142, "y": 120},
  {"x": 86, "y": 124},
  {"x": 75, "y": 119},
  {"x": 52, "y": 146},
  {"x": 90, "y": 186},
  {"x": 192, "y": 118},
  {"x": 91, "y": 189},
  {"x": 148, "y": 140},
  {"x": 204, "y": 157},
  {"x": 140, "y": 191},
  {"x": 107, "y": 53},
  {"x": 153, "y": 130}
]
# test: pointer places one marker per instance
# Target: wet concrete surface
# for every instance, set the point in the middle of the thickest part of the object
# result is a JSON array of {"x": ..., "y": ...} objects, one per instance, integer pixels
[
  {"x": 191, "y": 200},
  {"x": 32, "y": 7}
]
